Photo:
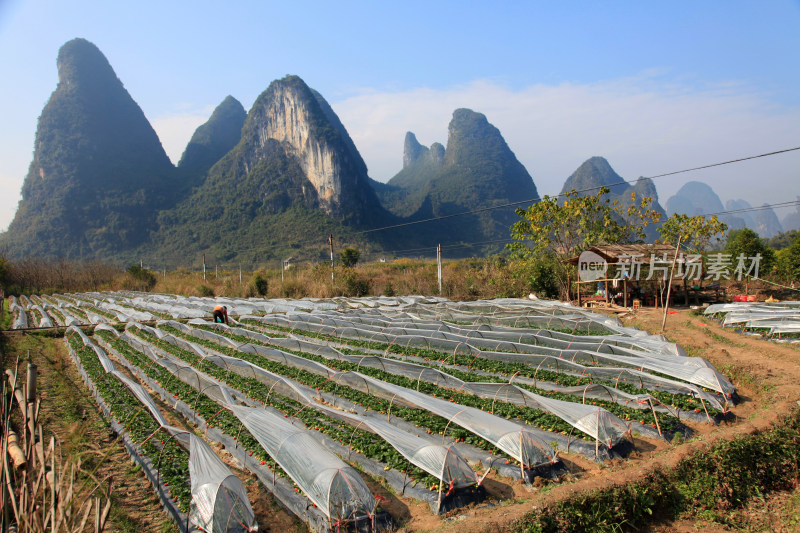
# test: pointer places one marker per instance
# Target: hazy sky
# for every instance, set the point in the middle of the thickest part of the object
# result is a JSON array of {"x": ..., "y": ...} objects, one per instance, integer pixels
[{"x": 653, "y": 87}]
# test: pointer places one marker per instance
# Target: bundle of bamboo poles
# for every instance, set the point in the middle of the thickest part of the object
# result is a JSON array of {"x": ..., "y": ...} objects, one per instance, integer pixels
[{"x": 40, "y": 492}]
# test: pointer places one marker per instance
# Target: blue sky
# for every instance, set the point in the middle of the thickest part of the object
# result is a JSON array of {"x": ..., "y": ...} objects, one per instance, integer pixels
[{"x": 653, "y": 87}]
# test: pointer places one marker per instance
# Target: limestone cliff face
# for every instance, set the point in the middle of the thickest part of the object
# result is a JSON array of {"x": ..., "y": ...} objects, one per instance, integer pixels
[
  {"x": 412, "y": 150},
  {"x": 290, "y": 113}
]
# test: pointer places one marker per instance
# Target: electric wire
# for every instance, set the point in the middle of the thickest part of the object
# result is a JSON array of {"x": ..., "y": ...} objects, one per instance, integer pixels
[
  {"x": 778, "y": 205},
  {"x": 538, "y": 198}
]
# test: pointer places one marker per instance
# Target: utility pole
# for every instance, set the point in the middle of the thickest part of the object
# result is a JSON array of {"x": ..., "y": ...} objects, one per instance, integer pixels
[
  {"x": 439, "y": 265},
  {"x": 204, "y": 266},
  {"x": 669, "y": 287},
  {"x": 216, "y": 271},
  {"x": 330, "y": 242},
  {"x": 240, "y": 273}
]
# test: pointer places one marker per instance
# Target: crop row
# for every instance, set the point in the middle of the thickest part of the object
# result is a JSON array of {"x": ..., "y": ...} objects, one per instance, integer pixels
[
  {"x": 54, "y": 311},
  {"x": 429, "y": 357},
  {"x": 173, "y": 465},
  {"x": 360, "y": 441},
  {"x": 203, "y": 405},
  {"x": 418, "y": 417},
  {"x": 667, "y": 422}
]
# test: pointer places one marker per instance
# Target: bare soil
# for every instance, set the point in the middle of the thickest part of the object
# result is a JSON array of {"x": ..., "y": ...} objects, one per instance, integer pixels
[{"x": 766, "y": 374}]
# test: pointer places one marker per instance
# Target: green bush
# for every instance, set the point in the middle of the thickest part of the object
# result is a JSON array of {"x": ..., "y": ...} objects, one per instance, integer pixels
[
  {"x": 746, "y": 242},
  {"x": 355, "y": 285},
  {"x": 710, "y": 484},
  {"x": 293, "y": 289},
  {"x": 205, "y": 290},
  {"x": 260, "y": 284},
  {"x": 140, "y": 278},
  {"x": 541, "y": 276},
  {"x": 788, "y": 261},
  {"x": 349, "y": 257},
  {"x": 388, "y": 290}
]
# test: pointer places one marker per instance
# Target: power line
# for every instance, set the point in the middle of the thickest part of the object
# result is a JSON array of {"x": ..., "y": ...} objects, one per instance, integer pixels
[
  {"x": 758, "y": 208},
  {"x": 451, "y": 246},
  {"x": 537, "y": 198}
]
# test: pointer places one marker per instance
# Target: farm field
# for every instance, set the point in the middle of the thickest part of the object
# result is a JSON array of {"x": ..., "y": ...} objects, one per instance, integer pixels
[{"x": 402, "y": 413}]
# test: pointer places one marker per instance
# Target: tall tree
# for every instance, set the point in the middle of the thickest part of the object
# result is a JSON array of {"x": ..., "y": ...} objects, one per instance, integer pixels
[
  {"x": 564, "y": 228},
  {"x": 747, "y": 244}
]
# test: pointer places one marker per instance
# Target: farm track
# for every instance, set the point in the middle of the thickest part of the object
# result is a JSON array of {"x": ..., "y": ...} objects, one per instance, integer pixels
[{"x": 766, "y": 374}]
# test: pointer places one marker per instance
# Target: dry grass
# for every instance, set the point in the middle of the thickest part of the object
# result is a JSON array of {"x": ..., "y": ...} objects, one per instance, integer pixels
[
  {"x": 467, "y": 279},
  {"x": 40, "y": 492}
]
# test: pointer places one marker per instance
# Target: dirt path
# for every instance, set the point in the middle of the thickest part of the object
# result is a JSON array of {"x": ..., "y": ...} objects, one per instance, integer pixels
[{"x": 70, "y": 414}]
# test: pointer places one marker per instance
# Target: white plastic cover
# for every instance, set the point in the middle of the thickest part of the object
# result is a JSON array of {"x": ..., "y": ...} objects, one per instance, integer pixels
[
  {"x": 220, "y": 503},
  {"x": 219, "y": 500},
  {"x": 329, "y": 482}
]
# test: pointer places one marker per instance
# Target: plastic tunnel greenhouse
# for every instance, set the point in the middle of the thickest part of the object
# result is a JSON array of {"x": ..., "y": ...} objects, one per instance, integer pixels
[
  {"x": 219, "y": 502},
  {"x": 329, "y": 482}
]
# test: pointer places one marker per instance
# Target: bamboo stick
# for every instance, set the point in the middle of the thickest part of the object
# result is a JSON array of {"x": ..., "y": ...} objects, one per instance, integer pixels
[{"x": 14, "y": 450}]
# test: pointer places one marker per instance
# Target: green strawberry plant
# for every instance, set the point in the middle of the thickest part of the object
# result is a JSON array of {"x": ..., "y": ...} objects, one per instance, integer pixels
[{"x": 172, "y": 460}]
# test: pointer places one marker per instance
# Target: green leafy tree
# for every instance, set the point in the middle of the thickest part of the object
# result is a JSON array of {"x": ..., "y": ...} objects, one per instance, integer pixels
[
  {"x": 349, "y": 257},
  {"x": 746, "y": 243},
  {"x": 141, "y": 278},
  {"x": 693, "y": 232},
  {"x": 787, "y": 262},
  {"x": 564, "y": 228},
  {"x": 783, "y": 240}
]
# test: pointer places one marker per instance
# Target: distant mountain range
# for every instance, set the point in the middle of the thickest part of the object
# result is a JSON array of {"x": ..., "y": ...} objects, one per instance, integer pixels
[
  {"x": 273, "y": 181},
  {"x": 596, "y": 172},
  {"x": 697, "y": 198},
  {"x": 477, "y": 169}
]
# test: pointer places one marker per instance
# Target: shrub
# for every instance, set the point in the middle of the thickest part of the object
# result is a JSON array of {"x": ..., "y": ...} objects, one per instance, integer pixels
[
  {"x": 141, "y": 278},
  {"x": 746, "y": 242},
  {"x": 388, "y": 290},
  {"x": 205, "y": 290},
  {"x": 355, "y": 285},
  {"x": 541, "y": 275},
  {"x": 260, "y": 284},
  {"x": 293, "y": 289},
  {"x": 349, "y": 257}
]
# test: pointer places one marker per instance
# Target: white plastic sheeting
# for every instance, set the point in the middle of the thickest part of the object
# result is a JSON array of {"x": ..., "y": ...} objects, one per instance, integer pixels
[
  {"x": 326, "y": 480},
  {"x": 694, "y": 370},
  {"x": 776, "y": 318},
  {"x": 441, "y": 461},
  {"x": 20, "y": 316},
  {"x": 329, "y": 482},
  {"x": 515, "y": 439},
  {"x": 45, "y": 321},
  {"x": 596, "y": 422},
  {"x": 219, "y": 499}
]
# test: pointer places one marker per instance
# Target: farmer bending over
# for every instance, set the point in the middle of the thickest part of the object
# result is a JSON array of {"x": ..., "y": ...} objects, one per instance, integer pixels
[{"x": 221, "y": 314}]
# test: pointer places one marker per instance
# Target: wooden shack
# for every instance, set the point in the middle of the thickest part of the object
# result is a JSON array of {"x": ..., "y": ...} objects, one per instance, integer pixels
[{"x": 641, "y": 271}]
